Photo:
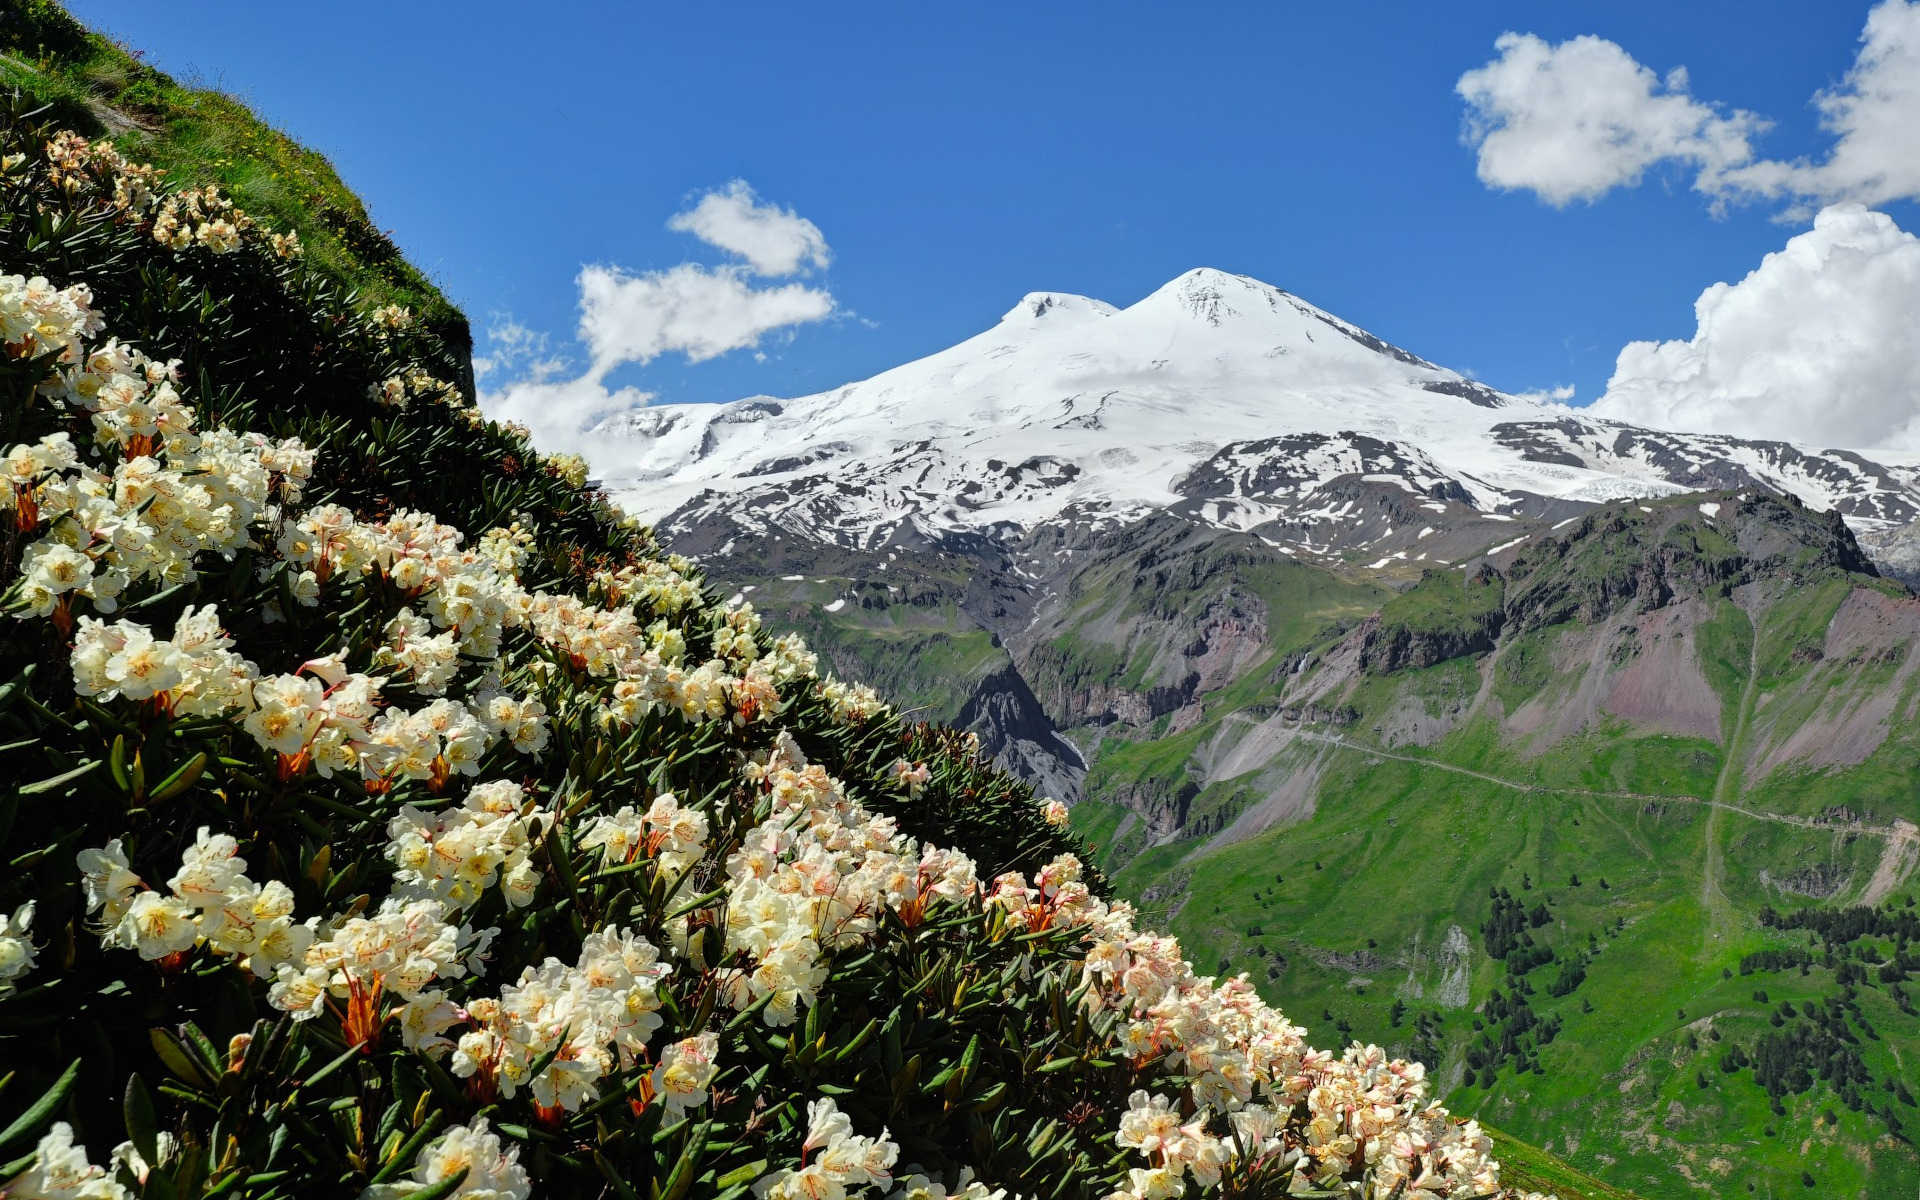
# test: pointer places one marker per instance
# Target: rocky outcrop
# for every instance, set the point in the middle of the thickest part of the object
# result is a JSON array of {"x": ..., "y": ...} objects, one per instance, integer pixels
[
  {"x": 1016, "y": 733},
  {"x": 1634, "y": 557},
  {"x": 1442, "y": 617}
]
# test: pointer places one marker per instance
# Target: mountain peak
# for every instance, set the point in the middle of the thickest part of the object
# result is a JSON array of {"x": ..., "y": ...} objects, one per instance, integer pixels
[
  {"x": 1056, "y": 308},
  {"x": 1212, "y": 295}
]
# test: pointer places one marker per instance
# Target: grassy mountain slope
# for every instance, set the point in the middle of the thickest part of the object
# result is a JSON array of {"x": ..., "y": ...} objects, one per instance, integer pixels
[
  {"x": 1700, "y": 707},
  {"x": 1646, "y": 732},
  {"x": 200, "y": 137}
]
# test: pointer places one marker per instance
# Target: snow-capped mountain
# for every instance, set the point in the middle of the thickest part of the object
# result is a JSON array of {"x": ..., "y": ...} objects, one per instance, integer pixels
[{"x": 1223, "y": 398}]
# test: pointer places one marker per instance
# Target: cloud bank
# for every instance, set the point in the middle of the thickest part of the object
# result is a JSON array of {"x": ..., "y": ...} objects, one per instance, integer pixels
[
  {"x": 700, "y": 311},
  {"x": 1818, "y": 344},
  {"x": 1576, "y": 120}
]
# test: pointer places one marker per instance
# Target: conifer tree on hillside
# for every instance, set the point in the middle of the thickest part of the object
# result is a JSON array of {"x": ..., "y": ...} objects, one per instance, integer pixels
[{"x": 389, "y": 816}]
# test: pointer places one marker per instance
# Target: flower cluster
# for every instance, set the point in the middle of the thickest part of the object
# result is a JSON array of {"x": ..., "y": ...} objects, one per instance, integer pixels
[
  {"x": 819, "y": 872},
  {"x": 493, "y": 1172},
  {"x": 587, "y": 1020},
  {"x": 323, "y": 716},
  {"x": 61, "y": 1170},
  {"x": 38, "y": 319},
  {"x": 200, "y": 217},
  {"x": 852, "y": 703},
  {"x": 843, "y": 1163},
  {"x": 181, "y": 221},
  {"x": 171, "y": 495},
  {"x": 402, "y": 388},
  {"x": 456, "y": 854},
  {"x": 75, "y": 162},
  {"x": 1367, "y": 1118},
  {"x": 209, "y": 901},
  {"x": 910, "y": 777},
  {"x": 673, "y": 835},
  {"x": 404, "y": 946},
  {"x": 570, "y": 467},
  {"x": 662, "y": 586},
  {"x": 193, "y": 673},
  {"x": 390, "y": 319}
]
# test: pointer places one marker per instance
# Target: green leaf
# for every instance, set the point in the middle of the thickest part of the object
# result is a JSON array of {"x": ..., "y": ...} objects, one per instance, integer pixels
[
  {"x": 183, "y": 778},
  {"x": 746, "y": 1174},
  {"x": 409, "y": 1148},
  {"x": 142, "y": 1130},
  {"x": 178, "y": 1059},
  {"x": 29, "y": 1122},
  {"x": 612, "y": 1175},
  {"x": 47, "y": 785}
]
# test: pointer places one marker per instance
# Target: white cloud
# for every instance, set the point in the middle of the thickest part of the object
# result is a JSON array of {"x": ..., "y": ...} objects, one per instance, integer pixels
[
  {"x": 1818, "y": 344},
  {"x": 1875, "y": 115},
  {"x": 561, "y": 413},
  {"x": 1574, "y": 121},
  {"x": 1558, "y": 395},
  {"x": 512, "y": 347},
  {"x": 775, "y": 241},
  {"x": 699, "y": 311}
]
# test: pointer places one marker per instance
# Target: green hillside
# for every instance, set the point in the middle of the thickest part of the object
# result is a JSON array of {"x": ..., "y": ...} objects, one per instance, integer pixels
[
  {"x": 1559, "y": 867},
  {"x": 200, "y": 137},
  {"x": 1703, "y": 709}
]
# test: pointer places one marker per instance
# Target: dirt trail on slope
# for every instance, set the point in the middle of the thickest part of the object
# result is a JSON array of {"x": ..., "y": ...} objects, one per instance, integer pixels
[
  {"x": 1713, "y": 899},
  {"x": 1879, "y": 831},
  {"x": 1896, "y": 863}
]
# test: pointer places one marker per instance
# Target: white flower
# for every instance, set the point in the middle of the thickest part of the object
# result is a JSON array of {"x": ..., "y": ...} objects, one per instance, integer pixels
[
  {"x": 108, "y": 883},
  {"x": 156, "y": 925},
  {"x": 686, "y": 1068},
  {"x": 16, "y": 948},
  {"x": 61, "y": 1171},
  {"x": 493, "y": 1171}
]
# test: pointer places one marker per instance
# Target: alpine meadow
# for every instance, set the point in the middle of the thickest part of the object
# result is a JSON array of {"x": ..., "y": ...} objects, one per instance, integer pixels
[{"x": 1185, "y": 749}]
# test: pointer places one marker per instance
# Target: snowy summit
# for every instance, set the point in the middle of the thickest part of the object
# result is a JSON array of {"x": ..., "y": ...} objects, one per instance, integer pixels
[{"x": 1232, "y": 400}]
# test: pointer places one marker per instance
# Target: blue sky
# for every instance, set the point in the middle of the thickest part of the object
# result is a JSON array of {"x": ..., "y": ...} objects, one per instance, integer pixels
[{"x": 956, "y": 157}]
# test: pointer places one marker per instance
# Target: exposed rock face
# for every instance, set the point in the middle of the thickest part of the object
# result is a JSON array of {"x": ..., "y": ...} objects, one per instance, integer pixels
[
  {"x": 1896, "y": 552},
  {"x": 1015, "y": 731},
  {"x": 1392, "y": 642},
  {"x": 1110, "y": 636},
  {"x": 1631, "y": 557}
]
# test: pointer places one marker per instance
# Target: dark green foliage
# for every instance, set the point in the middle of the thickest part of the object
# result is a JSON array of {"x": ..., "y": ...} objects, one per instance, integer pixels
[{"x": 969, "y": 1044}]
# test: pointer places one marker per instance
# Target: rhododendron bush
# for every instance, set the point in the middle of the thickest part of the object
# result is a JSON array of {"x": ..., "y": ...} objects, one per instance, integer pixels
[{"x": 389, "y": 816}]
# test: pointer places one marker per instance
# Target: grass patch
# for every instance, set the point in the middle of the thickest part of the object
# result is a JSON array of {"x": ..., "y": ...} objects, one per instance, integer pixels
[{"x": 200, "y": 136}]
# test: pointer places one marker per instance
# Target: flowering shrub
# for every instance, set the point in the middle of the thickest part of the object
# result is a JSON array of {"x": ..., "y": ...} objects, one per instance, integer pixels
[{"x": 389, "y": 819}]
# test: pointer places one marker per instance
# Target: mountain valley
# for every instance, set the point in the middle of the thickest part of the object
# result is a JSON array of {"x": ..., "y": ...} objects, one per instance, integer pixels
[{"x": 1506, "y": 737}]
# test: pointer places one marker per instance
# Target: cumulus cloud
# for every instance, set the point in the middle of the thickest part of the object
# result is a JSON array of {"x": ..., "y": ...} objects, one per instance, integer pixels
[
  {"x": 775, "y": 241},
  {"x": 699, "y": 311},
  {"x": 1575, "y": 120},
  {"x": 626, "y": 318},
  {"x": 1874, "y": 115},
  {"x": 1818, "y": 344}
]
